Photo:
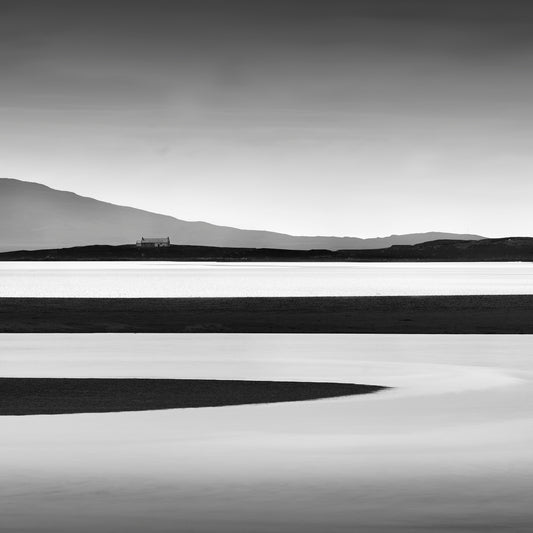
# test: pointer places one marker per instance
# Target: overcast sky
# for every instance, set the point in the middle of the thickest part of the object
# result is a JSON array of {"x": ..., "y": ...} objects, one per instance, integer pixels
[{"x": 354, "y": 117}]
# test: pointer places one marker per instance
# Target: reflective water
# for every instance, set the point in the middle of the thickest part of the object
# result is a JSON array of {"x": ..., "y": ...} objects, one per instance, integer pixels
[
  {"x": 143, "y": 279},
  {"x": 448, "y": 449}
]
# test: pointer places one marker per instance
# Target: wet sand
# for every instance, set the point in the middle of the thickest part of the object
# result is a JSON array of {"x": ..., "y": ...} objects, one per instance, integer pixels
[
  {"x": 508, "y": 314},
  {"x": 53, "y": 396},
  {"x": 447, "y": 449}
]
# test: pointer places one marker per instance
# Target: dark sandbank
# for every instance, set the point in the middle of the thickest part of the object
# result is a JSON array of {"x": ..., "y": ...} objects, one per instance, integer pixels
[
  {"x": 381, "y": 314},
  {"x": 52, "y": 396}
]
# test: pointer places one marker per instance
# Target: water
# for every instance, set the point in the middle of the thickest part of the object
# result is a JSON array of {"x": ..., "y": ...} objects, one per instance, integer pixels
[
  {"x": 167, "y": 279},
  {"x": 448, "y": 449}
]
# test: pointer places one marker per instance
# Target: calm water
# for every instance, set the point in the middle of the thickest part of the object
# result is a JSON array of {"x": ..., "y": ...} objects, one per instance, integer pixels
[
  {"x": 449, "y": 449},
  {"x": 141, "y": 279}
]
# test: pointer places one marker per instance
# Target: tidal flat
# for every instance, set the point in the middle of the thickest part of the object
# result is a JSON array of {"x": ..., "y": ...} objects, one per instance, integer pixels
[
  {"x": 446, "y": 448},
  {"x": 504, "y": 314}
]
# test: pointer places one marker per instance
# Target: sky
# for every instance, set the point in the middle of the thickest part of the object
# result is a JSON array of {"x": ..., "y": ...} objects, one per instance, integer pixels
[{"x": 311, "y": 117}]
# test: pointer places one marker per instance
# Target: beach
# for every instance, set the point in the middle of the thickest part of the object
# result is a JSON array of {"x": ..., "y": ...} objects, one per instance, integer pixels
[{"x": 453, "y": 431}]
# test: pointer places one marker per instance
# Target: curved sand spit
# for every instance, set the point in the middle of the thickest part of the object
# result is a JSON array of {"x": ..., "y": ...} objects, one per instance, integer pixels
[{"x": 53, "y": 396}]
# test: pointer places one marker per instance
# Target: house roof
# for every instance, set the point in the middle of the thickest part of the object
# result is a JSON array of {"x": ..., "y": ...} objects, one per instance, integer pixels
[{"x": 155, "y": 239}]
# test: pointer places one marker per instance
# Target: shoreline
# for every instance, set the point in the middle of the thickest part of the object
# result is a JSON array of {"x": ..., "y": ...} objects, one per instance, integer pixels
[{"x": 445, "y": 250}]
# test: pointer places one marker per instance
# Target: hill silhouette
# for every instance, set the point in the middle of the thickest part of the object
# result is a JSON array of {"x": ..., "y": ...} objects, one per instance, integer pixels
[{"x": 33, "y": 216}]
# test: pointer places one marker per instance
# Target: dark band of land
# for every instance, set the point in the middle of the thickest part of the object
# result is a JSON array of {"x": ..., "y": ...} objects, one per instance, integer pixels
[
  {"x": 50, "y": 396},
  {"x": 505, "y": 249},
  {"x": 383, "y": 314}
]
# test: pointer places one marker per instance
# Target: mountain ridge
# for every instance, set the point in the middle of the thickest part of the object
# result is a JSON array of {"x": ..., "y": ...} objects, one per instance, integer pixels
[{"x": 36, "y": 216}]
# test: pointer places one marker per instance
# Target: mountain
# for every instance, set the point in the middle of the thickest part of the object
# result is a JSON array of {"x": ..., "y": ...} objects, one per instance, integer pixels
[{"x": 33, "y": 216}]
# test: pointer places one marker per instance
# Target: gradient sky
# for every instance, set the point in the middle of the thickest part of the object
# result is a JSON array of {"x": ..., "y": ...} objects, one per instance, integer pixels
[{"x": 353, "y": 117}]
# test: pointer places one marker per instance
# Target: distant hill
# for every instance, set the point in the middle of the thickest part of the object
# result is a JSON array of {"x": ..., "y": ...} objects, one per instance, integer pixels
[
  {"x": 33, "y": 216},
  {"x": 503, "y": 249},
  {"x": 508, "y": 249}
]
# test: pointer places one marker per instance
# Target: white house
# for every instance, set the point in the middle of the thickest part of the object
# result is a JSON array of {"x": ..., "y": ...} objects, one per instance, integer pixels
[{"x": 154, "y": 242}]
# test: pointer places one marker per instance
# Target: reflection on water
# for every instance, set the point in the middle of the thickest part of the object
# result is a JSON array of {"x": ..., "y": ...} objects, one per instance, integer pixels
[
  {"x": 138, "y": 279},
  {"x": 448, "y": 449}
]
